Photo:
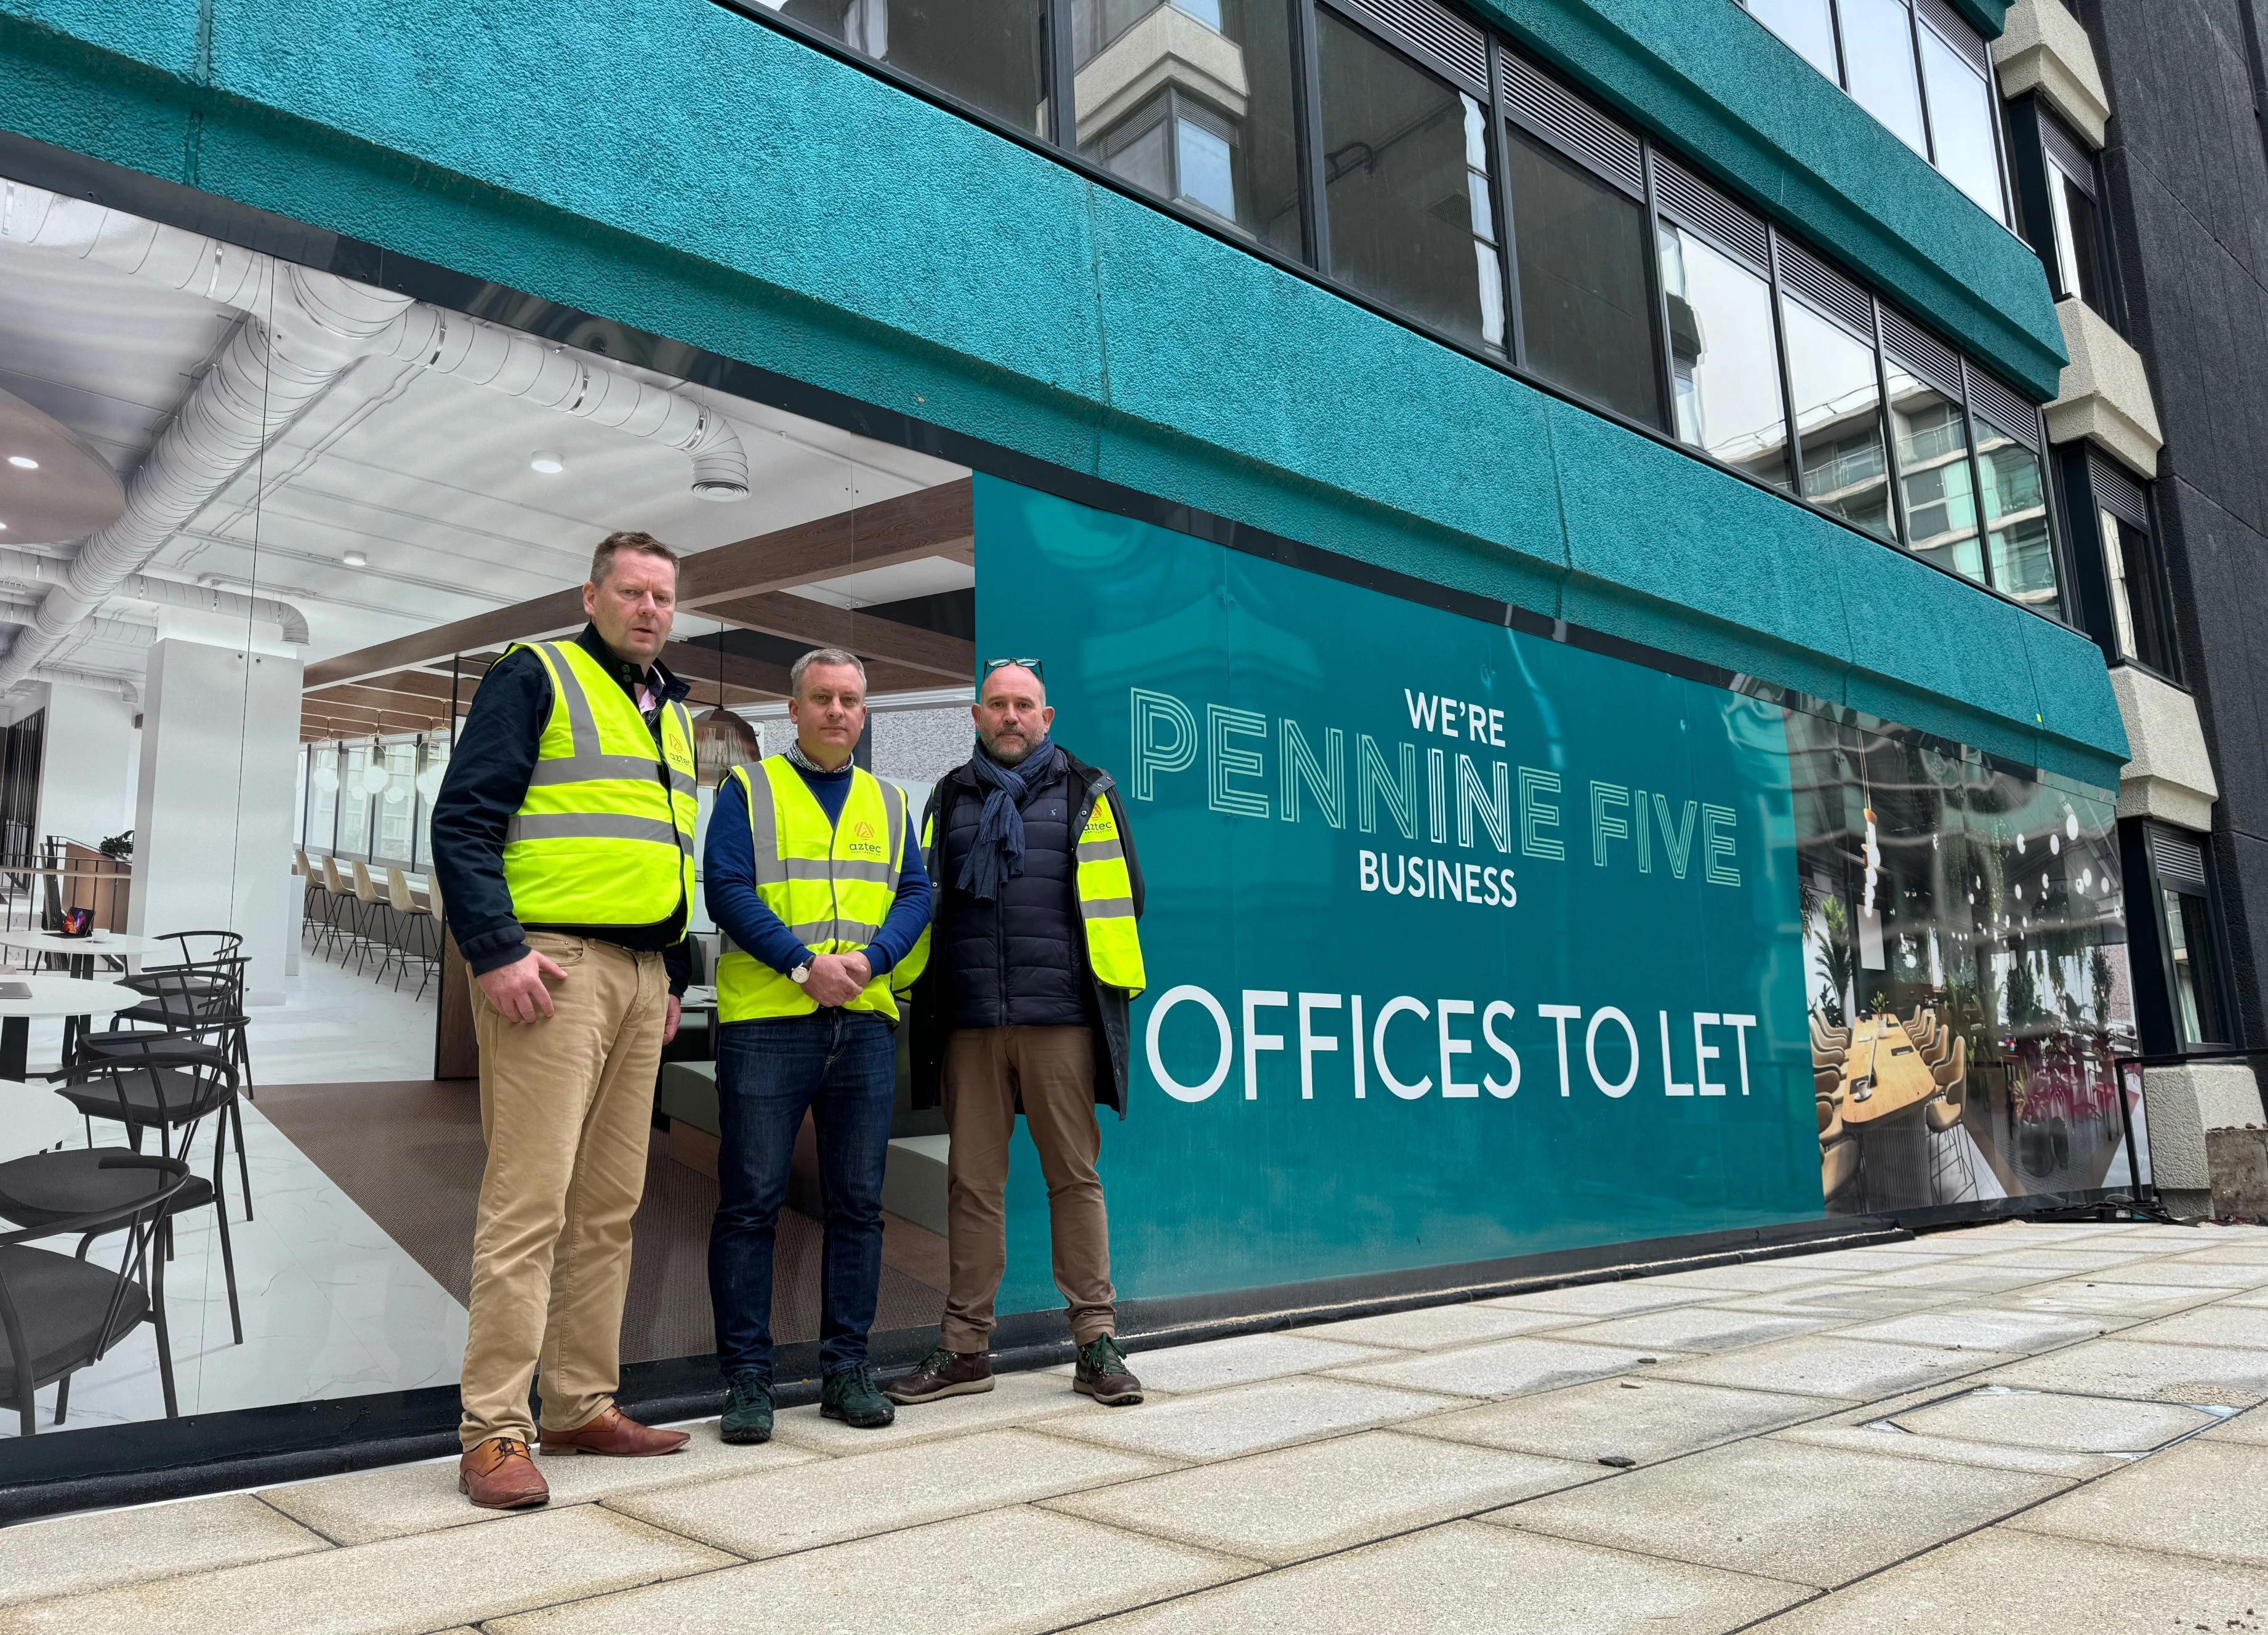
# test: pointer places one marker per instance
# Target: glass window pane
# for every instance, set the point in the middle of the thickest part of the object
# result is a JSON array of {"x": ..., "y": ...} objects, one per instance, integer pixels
[
  {"x": 1399, "y": 150},
  {"x": 2114, "y": 570},
  {"x": 2077, "y": 253},
  {"x": 1961, "y": 124},
  {"x": 1192, "y": 101},
  {"x": 2196, "y": 978},
  {"x": 353, "y": 803},
  {"x": 1806, "y": 25},
  {"x": 2016, "y": 518},
  {"x": 323, "y": 801},
  {"x": 396, "y": 804},
  {"x": 1724, "y": 357},
  {"x": 1878, "y": 45},
  {"x": 988, "y": 52},
  {"x": 2130, "y": 561},
  {"x": 1838, "y": 420},
  {"x": 1932, "y": 441},
  {"x": 1581, "y": 248},
  {"x": 428, "y": 788}
]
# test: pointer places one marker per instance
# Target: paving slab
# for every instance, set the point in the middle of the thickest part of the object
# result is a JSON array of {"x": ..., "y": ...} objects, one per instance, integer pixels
[
  {"x": 1302, "y": 1501},
  {"x": 1464, "y": 1579},
  {"x": 1245, "y": 1358},
  {"x": 1828, "y": 1365},
  {"x": 1817, "y": 1515},
  {"x": 1640, "y": 1420},
  {"x": 1766, "y": 1277},
  {"x": 396, "y": 1586},
  {"x": 1503, "y": 1368},
  {"x": 2230, "y": 1376},
  {"x": 2218, "y": 1324},
  {"x": 1694, "y": 1329},
  {"x": 1877, "y": 1438},
  {"x": 1963, "y": 1277},
  {"x": 1980, "y": 1328},
  {"x": 2070, "y": 1259},
  {"x": 2186, "y": 1271},
  {"x": 1891, "y": 1257},
  {"x": 1846, "y": 1300},
  {"x": 2246, "y": 1251},
  {"x": 2199, "y": 1500},
  {"x": 73, "y": 1555},
  {"x": 1012, "y": 1572},
  {"x": 2003, "y": 1582},
  {"x": 1246, "y": 1418},
  {"x": 1014, "y": 1399},
  {"x": 1605, "y": 1299},
  {"x": 1435, "y": 1328},
  {"x": 372, "y": 1505},
  {"x": 2051, "y": 1420},
  {"x": 2250, "y": 1427},
  {"x": 2135, "y": 1302},
  {"x": 772, "y": 1512}
]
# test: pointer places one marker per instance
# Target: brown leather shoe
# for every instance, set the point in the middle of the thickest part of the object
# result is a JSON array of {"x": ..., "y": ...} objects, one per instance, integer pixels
[
  {"x": 613, "y": 1434},
  {"x": 1102, "y": 1374},
  {"x": 943, "y": 1373},
  {"x": 499, "y": 1475}
]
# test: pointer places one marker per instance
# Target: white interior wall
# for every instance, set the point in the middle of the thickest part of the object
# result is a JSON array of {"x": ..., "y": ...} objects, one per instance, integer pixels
[
  {"x": 213, "y": 809},
  {"x": 89, "y": 764}
]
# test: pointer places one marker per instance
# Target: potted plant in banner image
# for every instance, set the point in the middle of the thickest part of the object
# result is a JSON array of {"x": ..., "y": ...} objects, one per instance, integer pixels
[{"x": 1839, "y": 959}]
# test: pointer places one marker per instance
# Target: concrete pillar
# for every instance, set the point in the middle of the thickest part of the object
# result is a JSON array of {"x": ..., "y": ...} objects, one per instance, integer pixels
[
  {"x": 91, "y": 764},
  {"x": 220, "y": 737},
  {"x": 2184, "y": 1103}
]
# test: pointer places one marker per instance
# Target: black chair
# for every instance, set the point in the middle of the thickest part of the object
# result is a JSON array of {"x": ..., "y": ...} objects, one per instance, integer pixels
[
  {"x": 181, "y": 1078},
  {"x": 204, "y": 997},
  {"x": 61, "y": 1313},
  {"x": 170, "y": 1093}
]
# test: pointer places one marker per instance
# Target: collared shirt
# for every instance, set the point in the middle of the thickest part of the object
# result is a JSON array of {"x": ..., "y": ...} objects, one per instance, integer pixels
[{"x": 489, "y": 771}]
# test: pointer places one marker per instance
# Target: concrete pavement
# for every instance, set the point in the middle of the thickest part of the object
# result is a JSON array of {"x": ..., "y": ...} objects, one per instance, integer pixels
[{"x": 2009, "y": 1428}]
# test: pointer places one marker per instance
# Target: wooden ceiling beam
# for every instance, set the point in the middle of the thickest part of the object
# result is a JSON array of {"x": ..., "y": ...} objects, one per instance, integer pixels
[{"x": 876, "y": 640}]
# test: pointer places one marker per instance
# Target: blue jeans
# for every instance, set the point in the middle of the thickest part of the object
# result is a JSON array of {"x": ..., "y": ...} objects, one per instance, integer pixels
[{"x": 842, "y": 1066}]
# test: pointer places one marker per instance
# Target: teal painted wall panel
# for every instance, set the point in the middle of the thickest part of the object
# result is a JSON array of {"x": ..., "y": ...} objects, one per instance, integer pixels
[
  {"x": 1705, "y": 74},
  {"x": 2080, "y": 731},
  {"x": 164, "y": 34},
  {"x": 998, "y": 295}
]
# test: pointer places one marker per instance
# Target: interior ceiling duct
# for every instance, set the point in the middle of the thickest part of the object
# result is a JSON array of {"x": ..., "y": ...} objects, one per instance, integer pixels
[
  {"x": 24, "y": 566},
  {"x": 302, "y": 330}
]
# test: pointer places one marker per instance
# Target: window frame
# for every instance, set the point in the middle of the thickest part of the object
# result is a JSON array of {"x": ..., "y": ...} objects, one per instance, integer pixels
[
  {"x": 2086, "y": 476},
  {"x": 2033, "y": 128},
  {"x": 2157, "y": 1004},
  {"x": 1313, "y": 265}
]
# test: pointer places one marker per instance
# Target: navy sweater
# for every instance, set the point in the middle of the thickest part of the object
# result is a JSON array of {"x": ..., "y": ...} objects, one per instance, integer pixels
[{"x": 728, "y": 874}]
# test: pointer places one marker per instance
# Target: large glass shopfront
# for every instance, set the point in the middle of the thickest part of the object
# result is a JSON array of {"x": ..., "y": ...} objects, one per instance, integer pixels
[{"x": 1469, "y": 939}]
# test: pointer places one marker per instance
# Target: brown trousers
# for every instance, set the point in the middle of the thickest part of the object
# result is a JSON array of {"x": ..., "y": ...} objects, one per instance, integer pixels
[
  {"x": 566, "y": 1105},
  {"x": 985, "y": 1068}
]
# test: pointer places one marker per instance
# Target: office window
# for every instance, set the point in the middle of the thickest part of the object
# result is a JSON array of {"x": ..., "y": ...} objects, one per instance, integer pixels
[
  {"x": 2191, "y": 939},
  {"x": 1723, "y": 356},
  {"x": 2130, "y": 561},
  {"x": 322, "y": 799},
  {"x": 2019, "y": 543},
  {"x": 991, "y": 54},
  {"x": 1878, "y": 54},
  {"x": 1581, "y": 245},
  {"x": 1961, "y": 123},
  {"x": 1806, "y": 25},
  {"x": 1406, "y": 187},
  {"x": 1192, "y": 101},
  {"x": 1930, "y": 435},
  {"x": 1838, "y": 420},
  {"x": 396, "y": 804},
  {"x": 354, "y": 802}
]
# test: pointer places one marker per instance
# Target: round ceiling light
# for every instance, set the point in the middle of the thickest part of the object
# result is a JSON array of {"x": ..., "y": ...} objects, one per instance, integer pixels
[
  {"x": 547, "y": 462},
  {"x": 356, "y": 559},
  {"x": 23, "y": 462}
]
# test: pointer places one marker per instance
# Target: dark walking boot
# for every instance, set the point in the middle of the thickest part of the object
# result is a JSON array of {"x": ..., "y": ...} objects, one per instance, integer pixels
[
  {"x": 747, "y": 1409},
  {"x": 851, "y": 1396},
  {"x": 943, "y": 1373},
  {"x": 1102, "y": 1374}
]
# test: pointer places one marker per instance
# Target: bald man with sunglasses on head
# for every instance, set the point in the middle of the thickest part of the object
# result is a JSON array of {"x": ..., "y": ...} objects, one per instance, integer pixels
[{"x": 1023, "y": 1008}]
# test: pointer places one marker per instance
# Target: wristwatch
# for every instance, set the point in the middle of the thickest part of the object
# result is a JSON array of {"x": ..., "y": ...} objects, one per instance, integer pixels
[{"x": 802, "y": 973}]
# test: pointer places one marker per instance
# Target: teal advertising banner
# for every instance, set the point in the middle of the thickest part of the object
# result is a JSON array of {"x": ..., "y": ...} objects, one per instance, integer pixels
[{"x": 1461, "y": 943}]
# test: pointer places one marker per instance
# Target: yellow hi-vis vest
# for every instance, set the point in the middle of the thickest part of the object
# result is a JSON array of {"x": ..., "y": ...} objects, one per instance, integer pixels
[
  {"x": 831, "y": 885},
  {"x": 604, "y": 836},
  {"x": 1106, "y": 898}
]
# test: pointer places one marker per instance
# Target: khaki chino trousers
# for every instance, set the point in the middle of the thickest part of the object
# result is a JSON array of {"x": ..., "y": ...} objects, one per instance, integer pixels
[
  {"x": 986, "y": 1069},
  {"x": 566, "y": 1106}
]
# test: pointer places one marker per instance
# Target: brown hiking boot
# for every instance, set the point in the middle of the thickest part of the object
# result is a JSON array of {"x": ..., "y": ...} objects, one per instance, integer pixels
[
  {"x": 943, "y": 1374},
  {"x": 499, "y": 1475},
  {"x": 613, "y": 1434},
  {"x": 1102, "y": 1374}
]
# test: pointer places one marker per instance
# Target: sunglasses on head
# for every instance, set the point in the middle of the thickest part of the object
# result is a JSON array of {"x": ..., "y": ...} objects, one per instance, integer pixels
[{"x": 1039, "y": 670}]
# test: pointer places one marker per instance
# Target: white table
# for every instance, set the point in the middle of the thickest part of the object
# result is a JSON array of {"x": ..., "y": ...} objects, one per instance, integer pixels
[
  {"x": 51, "y": 996},
  {"x": 83, "y": 951}
]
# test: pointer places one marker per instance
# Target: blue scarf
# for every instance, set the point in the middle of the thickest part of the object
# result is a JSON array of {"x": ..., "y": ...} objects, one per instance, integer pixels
[{"x": 997, "y": 854}]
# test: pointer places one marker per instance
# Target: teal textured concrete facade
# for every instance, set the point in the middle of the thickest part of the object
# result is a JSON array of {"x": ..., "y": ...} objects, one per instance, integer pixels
[{"x": 691, "y": 172}]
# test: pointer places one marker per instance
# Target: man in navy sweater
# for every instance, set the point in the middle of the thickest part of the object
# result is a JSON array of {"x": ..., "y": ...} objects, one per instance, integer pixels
[{"x": 818, "y": 920}]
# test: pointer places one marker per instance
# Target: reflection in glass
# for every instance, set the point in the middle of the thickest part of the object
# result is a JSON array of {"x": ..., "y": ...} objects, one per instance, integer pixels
[
  {"x": 1192, "y": 101},
  {"x": 1406, "y": 190},
  {"x": 1878, "y": 45},
  {"x": 1838, "y": 420},
  {"x": 396, "y": 804},
  {"x": 354, "y": 802},
  {"x": 988, "y": 52},
  {"x": 1932, "y": 440},
  {"x": 1961, "y": 124},
  {"x": 2137, "y": 615},
  {"x": 2196, "y": 978},
  {"x": 1806, "y": 25},
  {"x": 1581, "y": 246},
  {"x": 1723, "y": 357},
  {"x": 2016, "y": 518},
  {"x": 2077, "y": 253},
  {"x": 321, "y": 833}
]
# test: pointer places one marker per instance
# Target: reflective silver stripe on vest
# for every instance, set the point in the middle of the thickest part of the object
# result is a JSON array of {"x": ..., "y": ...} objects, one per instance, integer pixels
[
  {"x": 592, "y": 825},
  {"x": 582, "y": 725},
  {"x": 763, "y": 822},
  {"x": 1106, "y": 908},
  {"x": 586, "y": 768},
  {"x": 1099, "y": 851},
  {"x": 820, "y": 868},
  {"x": 814, "y": 931}
]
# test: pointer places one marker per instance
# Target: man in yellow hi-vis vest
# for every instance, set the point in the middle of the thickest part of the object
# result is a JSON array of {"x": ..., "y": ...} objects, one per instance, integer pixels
[
  {"x": 562, "y": 842},
  {"x": 811, "y": 871},
  {"x": 1034, "y": 959}
]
